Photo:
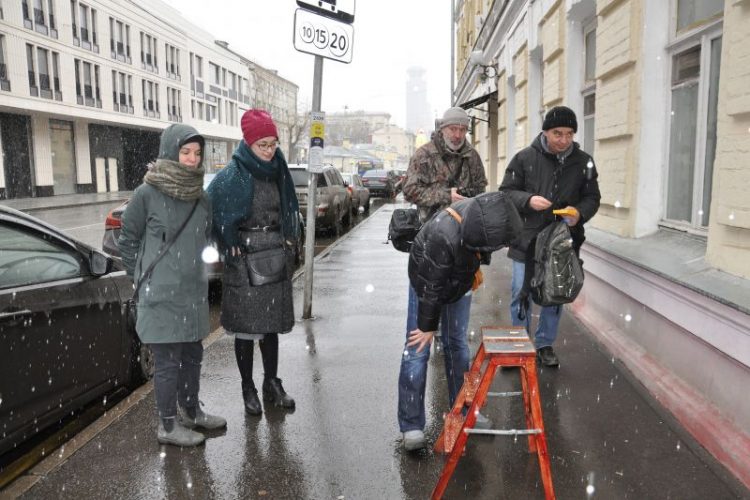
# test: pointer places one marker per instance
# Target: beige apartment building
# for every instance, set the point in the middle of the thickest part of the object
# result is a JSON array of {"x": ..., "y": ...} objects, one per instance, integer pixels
[{"x": 662, "y": 94}]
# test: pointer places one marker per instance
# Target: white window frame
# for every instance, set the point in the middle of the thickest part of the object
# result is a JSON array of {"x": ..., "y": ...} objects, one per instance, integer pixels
[
  {"x": 589, "y": 87},
  {"x": 701, "y": 34}
]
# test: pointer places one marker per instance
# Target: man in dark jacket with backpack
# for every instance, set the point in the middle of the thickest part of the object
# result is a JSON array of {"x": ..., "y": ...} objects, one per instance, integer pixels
[
  {"x": 553, "y": 173},
  {"x": 443, "y": 266}
]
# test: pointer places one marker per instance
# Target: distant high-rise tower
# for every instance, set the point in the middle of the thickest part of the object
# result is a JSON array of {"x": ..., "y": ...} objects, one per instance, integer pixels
[{"x": 418, "y": 114}]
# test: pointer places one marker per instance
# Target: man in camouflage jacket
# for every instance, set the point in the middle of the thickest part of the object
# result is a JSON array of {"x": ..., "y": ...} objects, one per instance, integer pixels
[
  {"x": 443, "y": 171},
  {"x": 446, "y": 169}
]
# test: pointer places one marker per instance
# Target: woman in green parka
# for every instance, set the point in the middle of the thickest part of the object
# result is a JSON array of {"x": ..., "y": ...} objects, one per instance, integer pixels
[{"x": 173, "y": 299}]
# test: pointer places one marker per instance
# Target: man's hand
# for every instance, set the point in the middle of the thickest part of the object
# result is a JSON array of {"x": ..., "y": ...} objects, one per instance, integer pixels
[
  {"x": 236, "y": 251},
  {"x": 572, "y": 220},
  {"x": 539, "y": 203},
  {"x": 419, "y": 337},
  {"x": 455, "y": 196}
]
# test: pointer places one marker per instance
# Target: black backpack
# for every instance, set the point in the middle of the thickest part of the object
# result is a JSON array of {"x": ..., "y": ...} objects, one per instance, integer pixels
[
  {"x": 404, "y": 227},
  {"x": 554, "y": 274}
]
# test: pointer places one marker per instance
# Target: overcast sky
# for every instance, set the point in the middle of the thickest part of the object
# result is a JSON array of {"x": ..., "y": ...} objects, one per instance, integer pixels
[{"x": 389, "y": 37}]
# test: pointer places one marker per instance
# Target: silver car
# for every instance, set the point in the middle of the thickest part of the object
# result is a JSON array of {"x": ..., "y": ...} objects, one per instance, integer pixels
[
  {"x": 360, "y": 194},
  {"x": 333, "y": 202}
]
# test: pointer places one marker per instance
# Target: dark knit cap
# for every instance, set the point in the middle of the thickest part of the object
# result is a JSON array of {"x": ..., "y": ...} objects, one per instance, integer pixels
[
  {"x": 560, "y": 116},
  {"x": 257, "y": 124}
]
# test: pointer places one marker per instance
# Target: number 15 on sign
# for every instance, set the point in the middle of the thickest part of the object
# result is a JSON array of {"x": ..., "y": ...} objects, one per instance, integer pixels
[{"x": 322, "y": 36}]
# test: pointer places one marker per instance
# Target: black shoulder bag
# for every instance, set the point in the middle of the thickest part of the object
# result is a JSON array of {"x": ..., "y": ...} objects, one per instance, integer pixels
[{"x": 131, "y": 309}]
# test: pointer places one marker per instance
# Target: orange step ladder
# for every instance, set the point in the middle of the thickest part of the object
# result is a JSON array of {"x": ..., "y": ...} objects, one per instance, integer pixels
[{"x": 507, "y": 346}]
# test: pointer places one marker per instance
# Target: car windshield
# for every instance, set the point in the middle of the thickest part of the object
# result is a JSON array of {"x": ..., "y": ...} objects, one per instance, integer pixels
[{"x": 301, "y": 177}]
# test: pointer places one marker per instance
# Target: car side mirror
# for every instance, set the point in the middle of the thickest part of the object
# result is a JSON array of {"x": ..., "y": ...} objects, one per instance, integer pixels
[{"x": 99, "y": 263}]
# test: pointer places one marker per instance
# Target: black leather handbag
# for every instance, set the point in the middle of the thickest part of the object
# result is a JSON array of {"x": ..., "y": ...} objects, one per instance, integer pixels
[
  {"x": 131, "y": 306},
  {"x": 266, "y": 266},
  {"x": 404, "y": 227}
]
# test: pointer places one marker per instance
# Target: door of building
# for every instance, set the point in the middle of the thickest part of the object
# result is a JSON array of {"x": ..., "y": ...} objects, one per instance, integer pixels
[
  {"x": 63, "y": 156},
  {"x": 101, "y": 174}
]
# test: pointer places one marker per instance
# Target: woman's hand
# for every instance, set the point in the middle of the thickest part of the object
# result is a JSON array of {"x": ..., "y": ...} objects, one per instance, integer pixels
[
  {"x": 419, "y": 337},
  {"x": 236, "y": 251}
]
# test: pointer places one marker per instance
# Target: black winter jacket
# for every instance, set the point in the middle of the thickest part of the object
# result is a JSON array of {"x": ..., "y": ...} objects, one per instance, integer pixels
[
  {"x": 445, "y": 255},
  {"x": 573, "y": 181}
]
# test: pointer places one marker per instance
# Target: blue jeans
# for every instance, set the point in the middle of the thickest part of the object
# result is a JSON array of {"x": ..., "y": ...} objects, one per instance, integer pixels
[
  {"x": 454, "y": 321},
  {"x": 549, "y": 317}
]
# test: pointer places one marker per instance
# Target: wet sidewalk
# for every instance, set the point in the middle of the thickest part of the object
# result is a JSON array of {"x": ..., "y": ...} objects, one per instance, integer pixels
[
  {"x": 342, "y": 441},
  {"x": 31, "y": 205}
]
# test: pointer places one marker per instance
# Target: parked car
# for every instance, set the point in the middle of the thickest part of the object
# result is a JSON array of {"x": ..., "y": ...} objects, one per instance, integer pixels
[
  {"x": 360, "y": 194},
  {"x": 380, "y": 182},
  {"x": 215, "y": 270},
  {"x": 63, "y": 335},
  {"x": 333, "y": 201}
]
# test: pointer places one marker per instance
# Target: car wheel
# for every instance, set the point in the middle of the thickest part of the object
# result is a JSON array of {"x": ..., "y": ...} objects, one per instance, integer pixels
[
  {"x": 347, "y": 218},
  {"x": 337, "y": 228},
  {"x": 367, "y": 206},
  {"x": 141, "y": 364}
]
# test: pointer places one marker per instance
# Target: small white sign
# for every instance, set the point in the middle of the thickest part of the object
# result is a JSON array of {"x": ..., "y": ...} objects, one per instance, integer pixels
[
  {"x": 343, "y": 10},
  {"x": 322, "y": 36},
  {"x": 317, "y": 141}
]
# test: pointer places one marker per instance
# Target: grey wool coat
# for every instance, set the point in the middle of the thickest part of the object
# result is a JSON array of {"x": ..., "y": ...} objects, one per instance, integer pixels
[
  {"x": 263, "y": 309},
  {"x": 173, "y": 304}
]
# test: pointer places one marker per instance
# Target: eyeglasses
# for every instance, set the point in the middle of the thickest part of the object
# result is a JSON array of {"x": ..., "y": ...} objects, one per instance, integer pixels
[{"x": 267, "y": 146}]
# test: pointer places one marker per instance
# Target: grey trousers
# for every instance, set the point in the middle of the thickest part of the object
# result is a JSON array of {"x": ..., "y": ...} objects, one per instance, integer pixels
[{"x": 177, "y": 373}]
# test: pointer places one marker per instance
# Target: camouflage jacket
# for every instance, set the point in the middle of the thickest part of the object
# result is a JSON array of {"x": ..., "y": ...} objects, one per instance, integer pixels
[{"x": 432, "y": 173}]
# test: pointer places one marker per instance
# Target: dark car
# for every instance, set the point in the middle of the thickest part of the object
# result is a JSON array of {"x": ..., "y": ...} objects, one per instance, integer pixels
[
  {"x": 215, "y": 269},
  {"x": 63, "y": 336},
  {"x": 333, "y": 201},
  {"x": 381, "y": 182},
  {"x": 360, "y": 194}
]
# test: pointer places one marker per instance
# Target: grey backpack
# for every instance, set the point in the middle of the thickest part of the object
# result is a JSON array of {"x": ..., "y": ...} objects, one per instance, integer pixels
[
  {"x": 558, "y": 275},
  {"x": 554, "y": 276}
]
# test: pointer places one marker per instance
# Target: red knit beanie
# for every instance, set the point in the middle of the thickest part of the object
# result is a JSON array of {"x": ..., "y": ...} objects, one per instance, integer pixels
[{"x": 257, "y": 124}]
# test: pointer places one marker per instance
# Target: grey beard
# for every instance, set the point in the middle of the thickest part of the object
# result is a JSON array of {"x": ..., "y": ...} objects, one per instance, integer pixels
[{"x": 450, "y": 145}]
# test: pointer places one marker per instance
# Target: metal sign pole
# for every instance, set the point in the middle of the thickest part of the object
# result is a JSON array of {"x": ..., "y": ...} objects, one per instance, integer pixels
[{"x": 311, "y": 192}]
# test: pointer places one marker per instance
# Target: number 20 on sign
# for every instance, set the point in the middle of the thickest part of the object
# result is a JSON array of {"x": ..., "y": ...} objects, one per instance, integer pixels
[{"x": 322, "y": 36}]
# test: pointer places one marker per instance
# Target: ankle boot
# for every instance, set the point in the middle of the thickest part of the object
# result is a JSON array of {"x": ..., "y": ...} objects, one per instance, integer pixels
[
  {"x": 274, "y": 392},
  {"x": 171, "y": 431},
  {"x": 252, "y": 403}
]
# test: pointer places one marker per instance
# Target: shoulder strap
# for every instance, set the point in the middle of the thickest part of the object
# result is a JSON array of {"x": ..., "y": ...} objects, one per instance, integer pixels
[
  {"x": 454, "y": 214},
  {"x": 164, "y": 250}
]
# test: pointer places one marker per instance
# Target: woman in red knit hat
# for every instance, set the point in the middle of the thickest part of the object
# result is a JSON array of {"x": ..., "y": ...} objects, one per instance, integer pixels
[{"x": 256, "y": 222}]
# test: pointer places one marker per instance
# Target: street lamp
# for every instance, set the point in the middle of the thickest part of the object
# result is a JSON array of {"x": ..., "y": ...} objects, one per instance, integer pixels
[{"x": 488, "y": 70}]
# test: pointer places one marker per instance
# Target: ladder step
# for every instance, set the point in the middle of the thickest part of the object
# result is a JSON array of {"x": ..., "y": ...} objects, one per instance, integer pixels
[
  {"x": 504, "y": 432},
  {"x": 505, "y": 394}
]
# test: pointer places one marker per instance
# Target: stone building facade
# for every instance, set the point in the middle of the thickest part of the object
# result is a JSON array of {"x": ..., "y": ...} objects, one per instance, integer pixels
[{"x": 662, "y": 94}]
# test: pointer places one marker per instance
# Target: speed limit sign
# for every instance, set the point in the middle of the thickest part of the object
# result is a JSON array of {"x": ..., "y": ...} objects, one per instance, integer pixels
[{"x": 323, "y": 36}]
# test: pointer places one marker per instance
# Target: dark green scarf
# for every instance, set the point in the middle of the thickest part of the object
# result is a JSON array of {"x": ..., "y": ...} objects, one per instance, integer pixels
[{"x": 233, "y": 189}]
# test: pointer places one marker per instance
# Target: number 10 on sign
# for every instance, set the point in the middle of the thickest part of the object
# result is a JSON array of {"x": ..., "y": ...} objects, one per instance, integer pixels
[{"x": 322, "y": 36}]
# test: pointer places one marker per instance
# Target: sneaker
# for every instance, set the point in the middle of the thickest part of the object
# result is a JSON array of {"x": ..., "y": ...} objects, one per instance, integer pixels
[
  {"x": 547, "y": 356},
  {"x": 483, "y": 422},
  {"x": 201, "y": 419},
  {"x": 179, "y": 435},
  {"x": 414, "y": 440}
]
